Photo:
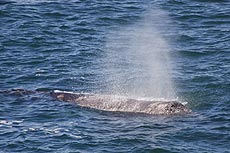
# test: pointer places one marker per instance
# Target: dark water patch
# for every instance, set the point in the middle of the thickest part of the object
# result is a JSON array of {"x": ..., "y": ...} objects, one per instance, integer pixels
[
  {"x": 4, "y": 2},
  {"x": 54, "y": 15}
]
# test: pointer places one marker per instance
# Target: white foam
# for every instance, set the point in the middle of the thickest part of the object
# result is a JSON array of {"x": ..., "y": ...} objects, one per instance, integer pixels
[{"x": 6, "y": 122}]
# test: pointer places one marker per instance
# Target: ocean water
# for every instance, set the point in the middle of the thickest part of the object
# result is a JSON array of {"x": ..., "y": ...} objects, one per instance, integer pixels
[{"x": 172, "y": 49}]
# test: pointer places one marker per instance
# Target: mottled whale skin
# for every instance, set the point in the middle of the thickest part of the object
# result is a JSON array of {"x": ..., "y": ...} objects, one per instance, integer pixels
[
  {"x": 111, "y": 102},
  {"x": 122, "y": 104}
]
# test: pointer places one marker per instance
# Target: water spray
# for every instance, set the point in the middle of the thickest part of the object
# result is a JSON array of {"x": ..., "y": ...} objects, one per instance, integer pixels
[{"x": 138, "y": 60}]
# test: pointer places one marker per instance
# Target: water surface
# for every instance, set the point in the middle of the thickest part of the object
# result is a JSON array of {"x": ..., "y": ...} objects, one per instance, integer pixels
[{"x": 47, "y": 45}]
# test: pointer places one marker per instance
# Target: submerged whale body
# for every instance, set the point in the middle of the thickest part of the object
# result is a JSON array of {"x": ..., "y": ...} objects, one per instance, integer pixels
[
  {"x": 111, "y": 102},
  {"x": 122, "y": 104}
]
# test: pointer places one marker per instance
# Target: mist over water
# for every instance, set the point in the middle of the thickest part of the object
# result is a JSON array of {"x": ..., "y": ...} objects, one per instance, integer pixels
[{"x": 138, "y": 60}]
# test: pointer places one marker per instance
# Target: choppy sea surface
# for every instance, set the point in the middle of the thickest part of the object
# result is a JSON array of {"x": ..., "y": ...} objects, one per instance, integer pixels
[{"x": 86, "y": 46}]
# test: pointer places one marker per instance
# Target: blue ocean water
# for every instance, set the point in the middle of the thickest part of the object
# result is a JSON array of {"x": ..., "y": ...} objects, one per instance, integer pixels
[{"x": 54, "y": 44}]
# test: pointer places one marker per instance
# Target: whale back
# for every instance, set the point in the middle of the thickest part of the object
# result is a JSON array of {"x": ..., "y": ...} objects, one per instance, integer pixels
[
  {"x": 111, "y": 102},
  {"x": 122, "y": 104}
]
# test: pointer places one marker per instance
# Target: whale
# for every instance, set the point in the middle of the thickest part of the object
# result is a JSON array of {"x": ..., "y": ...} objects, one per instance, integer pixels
[{"x": 112, "y": 103}]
